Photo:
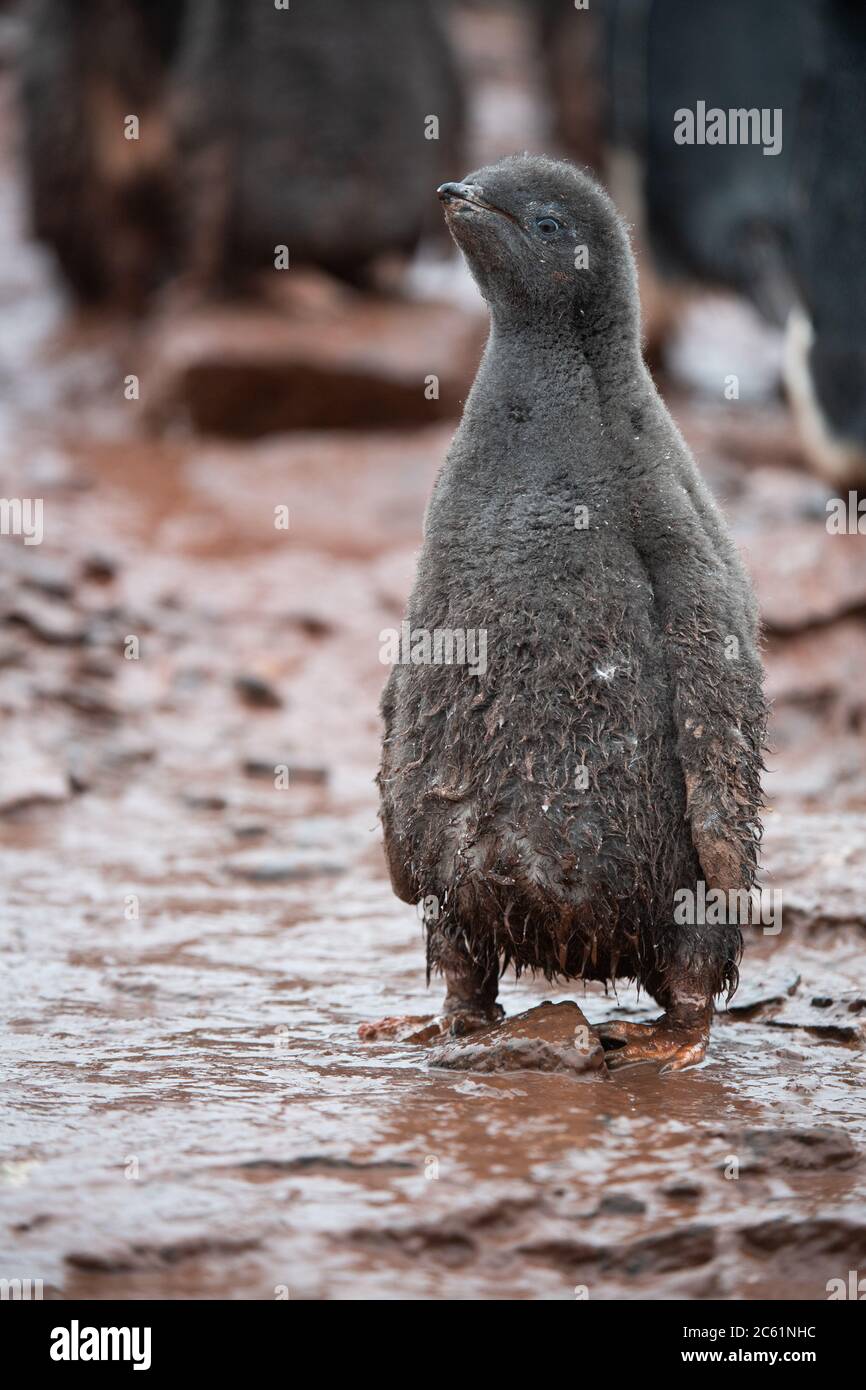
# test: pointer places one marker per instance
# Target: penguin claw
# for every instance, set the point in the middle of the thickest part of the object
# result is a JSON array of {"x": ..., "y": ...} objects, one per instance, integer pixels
[
  {"x": 664, "y": 1042},
  {"x": 616, "y": 1032},
  {"x": 688, "y": 1056}
]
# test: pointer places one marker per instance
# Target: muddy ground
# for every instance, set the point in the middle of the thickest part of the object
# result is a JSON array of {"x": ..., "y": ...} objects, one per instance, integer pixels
[{"x": 188, "y": 948}]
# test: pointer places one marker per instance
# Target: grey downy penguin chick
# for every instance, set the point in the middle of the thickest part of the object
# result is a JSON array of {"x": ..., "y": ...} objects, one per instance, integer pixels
[{"x": 549, "y": 802}]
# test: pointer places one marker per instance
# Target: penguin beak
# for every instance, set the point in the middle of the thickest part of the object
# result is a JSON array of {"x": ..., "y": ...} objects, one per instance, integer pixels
[
  {"x": 460, "y": 193},
  {"x": 464, "y": 197}
]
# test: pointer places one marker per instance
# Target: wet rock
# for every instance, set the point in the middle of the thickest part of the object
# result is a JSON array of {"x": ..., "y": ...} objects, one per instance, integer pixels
[
  {"x": 550, "y": 1037},
  {"x": 798, "y": 1149},
  {"x": 258, "y": 693},
  {"x": 51, "y": 622},
  {"x": 682, "y": 1190},
  {"x": 658, "y": 1254},
  {"x": 310, "y": 624},
  {"x": 255, "y": 766},
  {"x": 81, "y": 767},
  {"x": 327, "y": 1163},
  {"x": 685, "y": 1248},
  {"x": 127, "y": 752},
  {"x": 449, "y": 1247},
  {"x": 204, "y": 801},
  {"x": 265, "y": 867},
  {"x": 776, "y": 1000},
  {"x": 755, "y": 997},
  {"x": 249, "y": 831},
  {"x": 621, "y": 1204},
  {"x": 97, "y": 666},
  {"x": 141, "y": 1255},
  {"x": 99, "y": 568},
  {"x": 88, "y": 700},
  {"x": 458, "y": 1238},
  {"x": 248, "y": 372},
  {"x": 842, "y": 1020},
  {"x": 807, "y": 1239},
  {"x": 563, "y": 1253},
  {"x": 32, "y": 1223}
]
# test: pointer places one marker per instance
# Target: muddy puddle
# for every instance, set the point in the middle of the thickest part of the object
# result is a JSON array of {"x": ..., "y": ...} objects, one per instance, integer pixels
[
  {"x": 196, "y": 916},
  {"x": 188, "y": 951}
]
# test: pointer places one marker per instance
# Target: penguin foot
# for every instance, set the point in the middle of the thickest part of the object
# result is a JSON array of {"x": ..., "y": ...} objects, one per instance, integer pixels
[
  {"x": 455, "y": 1022},
  {"x": 669, "y": 1042},
  {"x": 458, "y": 1022}
]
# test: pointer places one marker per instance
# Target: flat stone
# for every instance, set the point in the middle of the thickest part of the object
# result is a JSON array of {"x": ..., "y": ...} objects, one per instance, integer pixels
[
  {"x": 248, "y": 371},
  {"x": 621, "y": 1204},
  {"x": 550, "y": 1038},
  {"x": 263, "y": 766},
  {"x": 310, "y": 774},
  {"x": 204, "y": 801},
  {"x": 759, "y": 996},
  {"x": 99, "y": 568},
  {"x": 800, "y": 1149},
  {"x": 49, "y": 620},
  {"x": 842, "y": 1020},
  {"x": 779, "y": 999},
  {"x": 249, "y": 831},
  {"x": 258, "y": 693},
  {"x": 682, "y": 1190}
]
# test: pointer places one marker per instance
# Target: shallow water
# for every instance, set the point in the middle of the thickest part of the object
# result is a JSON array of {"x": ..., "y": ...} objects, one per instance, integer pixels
[{"x": 188, "y": 1110}]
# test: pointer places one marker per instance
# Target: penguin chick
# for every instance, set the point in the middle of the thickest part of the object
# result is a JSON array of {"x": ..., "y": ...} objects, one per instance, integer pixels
[{"x": 550, "y": 804}]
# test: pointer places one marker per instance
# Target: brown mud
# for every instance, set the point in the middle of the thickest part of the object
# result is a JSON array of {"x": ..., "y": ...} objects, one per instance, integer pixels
[{"x": 188, "y": 949}]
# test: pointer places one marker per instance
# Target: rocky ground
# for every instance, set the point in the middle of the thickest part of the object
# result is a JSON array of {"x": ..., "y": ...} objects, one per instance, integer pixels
[{"x": 196, "y": 916}]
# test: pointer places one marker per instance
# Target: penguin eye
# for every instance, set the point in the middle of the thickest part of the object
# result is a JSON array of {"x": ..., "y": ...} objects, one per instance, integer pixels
[{"x": 548, "y": 225}]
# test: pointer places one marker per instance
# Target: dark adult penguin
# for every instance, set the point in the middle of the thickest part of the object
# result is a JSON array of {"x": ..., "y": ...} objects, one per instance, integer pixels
[
  {"x": 319, "y": 127},
  {"x": 549, "y": 807},
  {"x": 98, "y": 142}
]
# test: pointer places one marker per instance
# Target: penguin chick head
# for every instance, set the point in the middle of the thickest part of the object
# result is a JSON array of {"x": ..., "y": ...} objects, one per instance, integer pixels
[{"x": 539, "y": 234}]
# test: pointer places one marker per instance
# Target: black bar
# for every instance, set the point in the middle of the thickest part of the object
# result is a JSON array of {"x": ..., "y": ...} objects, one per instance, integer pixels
[{"x": 230, "y": 1338}]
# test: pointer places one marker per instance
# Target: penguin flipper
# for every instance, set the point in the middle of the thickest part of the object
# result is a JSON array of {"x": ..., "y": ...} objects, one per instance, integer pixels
[
  {"x": 402, "y": 880},
  {"x": 703, "y": 600}
]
